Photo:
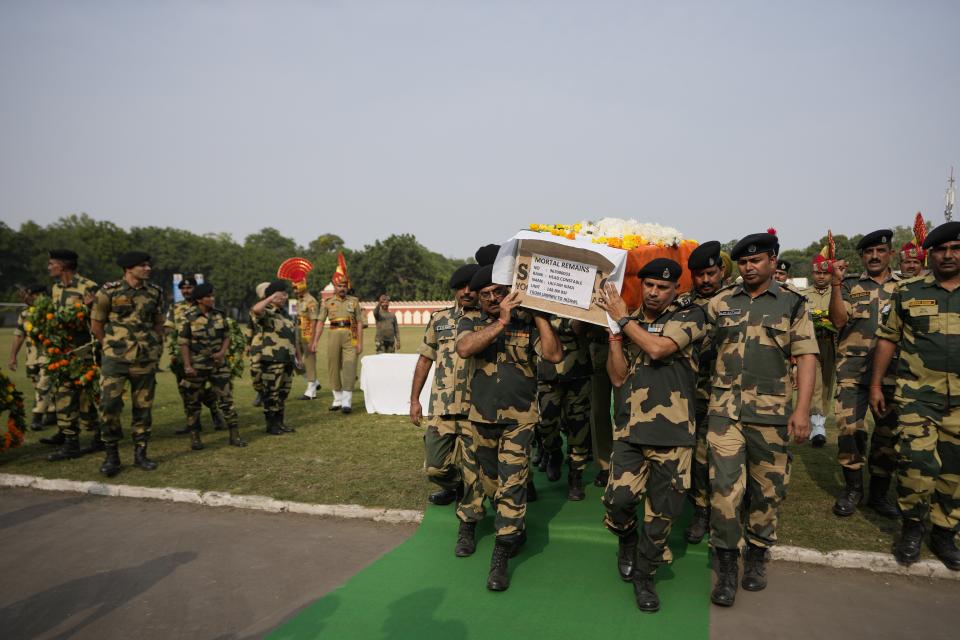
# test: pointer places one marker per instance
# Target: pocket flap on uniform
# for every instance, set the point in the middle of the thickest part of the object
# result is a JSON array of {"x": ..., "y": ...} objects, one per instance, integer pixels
[{"x": 919, "y": 311}]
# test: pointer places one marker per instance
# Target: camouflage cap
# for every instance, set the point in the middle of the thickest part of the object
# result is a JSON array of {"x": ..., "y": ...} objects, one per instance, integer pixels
[
  {"x": 754, "y": 244},
  {"x": 705, "y": 256},
  {"x": 872, "y": 239},
  {"x": 482, "y": 278},
  {"x": 202, "y": 291},
  {"x": 944, "y": 233},
  {"x": 661, "y": 269},
  {"x": 487, "y": 254},
  {"x": 461, "y": 277}
]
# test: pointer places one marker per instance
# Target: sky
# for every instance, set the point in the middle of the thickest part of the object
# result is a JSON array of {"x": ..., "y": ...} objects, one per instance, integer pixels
[{"x": 461, "y": 122}]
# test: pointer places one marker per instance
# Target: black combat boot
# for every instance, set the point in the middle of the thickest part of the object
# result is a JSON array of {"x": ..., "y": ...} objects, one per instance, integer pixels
[
  {"x": 627, "y": 556},
  {"x": 532, "y": 495},
  {"x": 699, "y": 525},
  {"x": 273, "y": 423},
  {"x": 96, "y": 443},
  {"x": 575, "y": 490},
  {"x": 725, "y": 590},
  {"x": 218, "y": 422},
  {"x": 280, "y": 417},
  {"x": 442, "y": 497},
  {"x": 851, "y": 495},
  {"x": 37, "y": 423},
  {"x": 235, "y": 439},
  {"x": 554, "y": 465},
  {"x": 537, "y": 454},
  {"x": 499, "y": 578},
  {"x": 602, "y": 477},
  {"x": 907, "y": 549},
  {"x": 878, "y": 500},
  {"x": 754, "y": 569},
  {"x": 111, "y": 463},
  {"x": 644, "y": 591},
  {"x": 196, "y": 443},
  {"x": 943, "y": 544},
  {"x": 56, "y": 439},
  {"x": 69, "y": 450},
  {"x": 140, "y": 458},
  {"x": 466, "y": 539}
]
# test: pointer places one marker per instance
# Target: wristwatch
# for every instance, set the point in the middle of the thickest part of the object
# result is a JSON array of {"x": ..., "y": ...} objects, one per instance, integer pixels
[{"x": 622, "y": 322}]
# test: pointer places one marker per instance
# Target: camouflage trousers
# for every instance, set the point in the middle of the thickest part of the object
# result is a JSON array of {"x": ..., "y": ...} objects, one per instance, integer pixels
[
  {"x": 275, "y": 381},
  {"x": 853, "y": 402},
  {"x": 450, "y": 453},
  {"x": 503, "y": 454},
  {"x": 662, "y": 476},
  {"x": 928, "y": 450},
  {"x": 44, "y": 398},
  {"x": 198, "y": 391},
  {"x": 752, "y": 461},
  {"x": 76, "y": 409},
  {"x": 208, "y": 397},
  {"x": 700, "y": 471},
  {"x": 565, "y": 406},
  {"x": 255, "y": 374},
  {"x": 386, "y": 346},
  {"x": 601, "y": 423},
  {"x": 826, "y": 372},
  {"x": 341, "y": 360},
  {"x": 114, "y": 376}
]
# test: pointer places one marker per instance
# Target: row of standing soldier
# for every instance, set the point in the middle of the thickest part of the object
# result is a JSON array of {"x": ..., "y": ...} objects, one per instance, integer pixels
[{"x": 703, "y": 403}]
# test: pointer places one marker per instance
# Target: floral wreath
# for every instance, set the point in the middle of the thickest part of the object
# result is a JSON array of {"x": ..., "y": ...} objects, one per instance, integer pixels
[
  {"x": 55, "y": 331},
  {"x": 11, "y": 403}
]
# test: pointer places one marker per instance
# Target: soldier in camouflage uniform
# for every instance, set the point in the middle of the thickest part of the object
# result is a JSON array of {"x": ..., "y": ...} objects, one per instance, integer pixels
[
  {"x": 655, "y": 433},
  {"x": 253, "y": 349},
  {"x": 175, "y": 316},
  {"x": 858, "y": 305},
  {"x": 308, "y": 310},
  {"x": 503, "y": 342},
  {"x": 706, "y": 267},
  {"x": 277, "y": 353},
  {"x": 818, "y": 299},
  {"x": 601, "y": 397},
  {"x": 35, "y": 364},
  {"x": 204, "y": 340},
  {"x": 127, "y": 319},
  {"x": 924, "y": 323},
  {"x": 387, "y": 337},
  {"x": 344, "y": 342},
  {"x": 757, "y": 327},
  {"x": 449, "y": 434},
  {"x": 76, "y": 409},
  {"x": 563, "y": 395}
]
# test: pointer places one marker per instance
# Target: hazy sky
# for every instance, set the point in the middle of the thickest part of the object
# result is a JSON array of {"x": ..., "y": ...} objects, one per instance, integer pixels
[{"x": 461, "y": 122}]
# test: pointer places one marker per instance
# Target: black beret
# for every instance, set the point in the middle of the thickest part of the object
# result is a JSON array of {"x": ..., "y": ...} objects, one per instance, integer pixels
[
  {"x": 487, "y": 254},
  {"x": 37, "y": 288},
  {"x": 881, "y": 236},
  {"x": 189, "y": 280},
  {"x": 783, "y": 265},
  {"x": 461, "y": 277},
  {"x": 482, "y": 278},
  {"x": 275, "y": 286},
  {"x": 64, "y": 254},
  {"x": 944, "y": 233},
  {"x": 131, "y": 259},
  {"x": 661, "y": 269},
  {"x": 202, "y": 290},
  {"x": 754, "y": 244},
  {"x": 705, "y": 256}
]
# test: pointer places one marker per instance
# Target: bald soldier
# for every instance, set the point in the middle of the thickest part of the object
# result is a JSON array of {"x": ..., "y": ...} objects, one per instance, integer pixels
[
  {"x": 818, "y": 299},
  {"x": 924, "y": 322},
  {"x": 655, "y": 427},
  {"x": 344, "y": 343}
]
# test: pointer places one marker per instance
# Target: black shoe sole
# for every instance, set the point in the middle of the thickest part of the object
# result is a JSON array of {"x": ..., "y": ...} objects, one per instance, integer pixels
[
  {"x": 722, "y": 603},
  {"x": 842, "y": 514},
  {"x": 747, "y": 587}
]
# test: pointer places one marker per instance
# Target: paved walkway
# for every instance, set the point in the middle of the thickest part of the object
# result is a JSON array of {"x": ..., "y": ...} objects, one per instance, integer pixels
[{"x": 90, "y": 567}]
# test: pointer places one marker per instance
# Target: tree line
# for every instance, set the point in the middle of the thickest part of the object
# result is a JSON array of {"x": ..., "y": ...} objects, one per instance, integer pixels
[{"x": 397, "y": 265}]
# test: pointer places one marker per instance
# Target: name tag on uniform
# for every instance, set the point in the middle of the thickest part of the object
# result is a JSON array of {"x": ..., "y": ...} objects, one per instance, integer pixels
[
  {"x": 655, "y": 328},
  {"x": 921, "y": 303},
  {"x": 517, "y": 334},
  {"x": 730, "y": 312},
  {"x": 860, "y": 294},
  {"x": 443, "y": 327}
]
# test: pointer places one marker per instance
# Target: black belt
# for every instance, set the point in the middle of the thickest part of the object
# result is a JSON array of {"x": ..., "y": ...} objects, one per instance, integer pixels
[{"x": 340, "y": 324}]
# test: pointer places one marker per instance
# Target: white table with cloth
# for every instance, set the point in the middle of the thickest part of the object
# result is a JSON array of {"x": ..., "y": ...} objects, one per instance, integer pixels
[{"x": 385, "y": 380}]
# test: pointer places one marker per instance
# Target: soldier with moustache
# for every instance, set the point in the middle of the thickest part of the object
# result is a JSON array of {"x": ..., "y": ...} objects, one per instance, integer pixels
[{"x": 912, "y": 261}]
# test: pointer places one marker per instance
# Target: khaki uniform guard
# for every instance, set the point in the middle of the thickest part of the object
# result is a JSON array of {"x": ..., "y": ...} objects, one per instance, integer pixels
[
  {"x": 35, "y": 366},
  {"x": 344, "y": 343},
  {"x": 308, "y": 310},
  {"x": 818, "y": 299}
]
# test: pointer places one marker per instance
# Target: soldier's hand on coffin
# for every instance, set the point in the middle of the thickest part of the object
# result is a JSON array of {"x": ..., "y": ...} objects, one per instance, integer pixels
[
  {"x": 611, "y": 302},
  {"x": 508, "y": 304}
]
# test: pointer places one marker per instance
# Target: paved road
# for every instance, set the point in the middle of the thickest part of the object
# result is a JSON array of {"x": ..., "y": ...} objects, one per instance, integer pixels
[{"x": 91, "y": 567}]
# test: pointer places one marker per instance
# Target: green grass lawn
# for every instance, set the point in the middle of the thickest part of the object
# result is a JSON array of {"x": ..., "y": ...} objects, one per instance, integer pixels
[{"x": 377, "y": 460}]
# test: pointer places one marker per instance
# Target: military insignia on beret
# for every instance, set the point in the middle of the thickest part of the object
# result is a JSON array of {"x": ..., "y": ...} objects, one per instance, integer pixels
[
  {"x": 712, "y": 262},
  {"x": 752, "y": 248},
  {"x": 666, "y": 274},
  {"x": 883, "y": 239}
]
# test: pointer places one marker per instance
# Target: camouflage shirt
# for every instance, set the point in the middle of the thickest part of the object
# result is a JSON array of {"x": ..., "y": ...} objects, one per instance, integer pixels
[
  {"x": 73, "y": 294},
  {"x": 867, "y": 303},
  {"x": 130, "y": 316},
  {"x": 31, "y": 353},
  {"x": 755, "y": 338},
  {"x": 177, "y": 313},
  {"x": 345, "y": 310},
  {"x": 203, "y": 334},
  {"x": 708, "y": 355},
  {"x": 308, "y": 310},
  {"x": 658, "y": 407},
  {"x": 274, "y": 337},
  {"x": 503, "y": 388},
  {"x": 925, "y": 323},
  {"x": 386, "y": 324},
  {"x": 576, "y": 355},
  {"x": 450, "y": 391}
]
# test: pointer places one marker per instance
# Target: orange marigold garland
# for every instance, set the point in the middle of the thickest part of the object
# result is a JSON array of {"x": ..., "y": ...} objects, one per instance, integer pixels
[
  {"x": 11, "y": 403},
  {"x": 55, "y": 330}
]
